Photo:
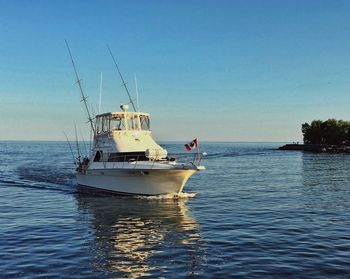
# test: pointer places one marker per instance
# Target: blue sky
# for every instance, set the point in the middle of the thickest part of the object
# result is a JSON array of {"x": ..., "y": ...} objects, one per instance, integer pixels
[{"x": 219, "y": 70}]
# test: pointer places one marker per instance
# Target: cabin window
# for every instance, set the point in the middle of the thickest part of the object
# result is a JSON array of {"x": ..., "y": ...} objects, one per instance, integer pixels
[
  {"x": 98, "y": 125},
  {"x": 133, "y": 122},
  {"x": 102, "y": 124},
  {"x": 127, "y": 156},
  {"x": 136, "y": 122},
  {"x": 144, "y": 120},
  {"x": 98, "y": 156},
  {"x": 105, "y": 124},
  {"x": 117, "y": 122}
]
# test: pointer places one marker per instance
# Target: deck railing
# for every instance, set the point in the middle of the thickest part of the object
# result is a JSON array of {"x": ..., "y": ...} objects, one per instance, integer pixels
[
  {"x": 194, "y": 158},
  {"x": 127, "y": 160}
]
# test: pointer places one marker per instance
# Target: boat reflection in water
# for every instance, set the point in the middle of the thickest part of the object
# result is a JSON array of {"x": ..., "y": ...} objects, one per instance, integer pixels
[{"x": 140, "y": 237}]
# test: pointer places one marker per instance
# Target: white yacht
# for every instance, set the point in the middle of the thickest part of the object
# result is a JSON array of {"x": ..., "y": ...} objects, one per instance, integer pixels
[{"x": 126, "y": 159}]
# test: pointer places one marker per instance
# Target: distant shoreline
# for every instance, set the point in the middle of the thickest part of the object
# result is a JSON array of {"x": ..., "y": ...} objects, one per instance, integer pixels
[{"x": 324, "y": 148}]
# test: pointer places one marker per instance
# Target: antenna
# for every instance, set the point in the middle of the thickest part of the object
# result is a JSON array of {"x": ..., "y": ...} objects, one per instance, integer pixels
[
  {"x": 99, "y": 105},
  {"x": 137, "y": 93},
  {"x": 83, "y": 97},
  {"x": 121, "y": 77}
]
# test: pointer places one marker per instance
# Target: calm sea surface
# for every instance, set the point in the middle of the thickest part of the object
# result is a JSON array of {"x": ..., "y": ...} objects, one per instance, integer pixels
[{"x": 258, "y": 213}]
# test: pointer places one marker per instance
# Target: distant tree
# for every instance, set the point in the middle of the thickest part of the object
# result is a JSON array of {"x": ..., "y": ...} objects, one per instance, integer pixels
[
  {"x": 306, "y": 130},
  {"x": 331, "y": 131},
  {"x": 312, "y": 133}
]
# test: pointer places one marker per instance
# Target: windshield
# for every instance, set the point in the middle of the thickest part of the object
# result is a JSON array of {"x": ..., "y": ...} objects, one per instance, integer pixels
[
  {"x": 117, "y": 122},
  {"x": 133, "y": 122},
  {"x": 102, "y": 124},
  {"x": 144, "y": 120}
]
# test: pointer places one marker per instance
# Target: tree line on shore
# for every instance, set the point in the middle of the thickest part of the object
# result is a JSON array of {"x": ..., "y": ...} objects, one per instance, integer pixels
[{"x": 331, "y": 131}]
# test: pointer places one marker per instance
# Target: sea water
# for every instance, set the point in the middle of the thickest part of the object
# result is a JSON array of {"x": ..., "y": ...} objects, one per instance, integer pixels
[{"x": 255, "y": 212}]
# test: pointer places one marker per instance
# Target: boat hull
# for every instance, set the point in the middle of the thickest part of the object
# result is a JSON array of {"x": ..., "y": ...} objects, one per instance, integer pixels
[{"x": 136, "y": 182}]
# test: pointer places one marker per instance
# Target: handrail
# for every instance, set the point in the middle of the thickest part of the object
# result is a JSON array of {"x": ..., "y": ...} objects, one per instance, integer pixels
[
  {"x": 127, "y": 160},
  {"x": 194, "y": 158}
]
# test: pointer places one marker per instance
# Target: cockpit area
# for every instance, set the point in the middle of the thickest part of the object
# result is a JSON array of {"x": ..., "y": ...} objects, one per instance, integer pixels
[{"x": 122, "y": 121}]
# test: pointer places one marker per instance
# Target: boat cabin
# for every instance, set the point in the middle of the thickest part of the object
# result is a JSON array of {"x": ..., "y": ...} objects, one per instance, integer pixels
[{"x": 122, "y": 121}]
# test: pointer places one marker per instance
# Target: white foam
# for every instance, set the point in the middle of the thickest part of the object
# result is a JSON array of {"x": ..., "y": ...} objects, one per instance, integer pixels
[{"x": 168, "y": 196}]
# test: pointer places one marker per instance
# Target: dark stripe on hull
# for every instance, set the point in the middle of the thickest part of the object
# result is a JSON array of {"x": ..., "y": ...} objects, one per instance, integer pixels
[{"x": 95, "y": 189}]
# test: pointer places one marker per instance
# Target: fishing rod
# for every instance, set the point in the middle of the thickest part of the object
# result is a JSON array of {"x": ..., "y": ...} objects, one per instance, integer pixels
[
  {"x": 85, "y": 148},
  {"x": 77, "y": 143},
  {"x": 121, "y": 77},
  {"x": 71, "y": 150},
  {"x": 83, "y": 97}
]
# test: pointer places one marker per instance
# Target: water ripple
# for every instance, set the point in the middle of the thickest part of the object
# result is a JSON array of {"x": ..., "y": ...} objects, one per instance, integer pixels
[{"x": 254, "y": 213}]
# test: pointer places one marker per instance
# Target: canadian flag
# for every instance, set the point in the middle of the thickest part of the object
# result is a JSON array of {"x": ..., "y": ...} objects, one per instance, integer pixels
[{"x": 191, "y": 145}]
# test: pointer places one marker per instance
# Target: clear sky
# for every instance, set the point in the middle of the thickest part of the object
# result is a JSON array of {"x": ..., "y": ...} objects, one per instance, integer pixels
[{"x": 221, "y": 70}]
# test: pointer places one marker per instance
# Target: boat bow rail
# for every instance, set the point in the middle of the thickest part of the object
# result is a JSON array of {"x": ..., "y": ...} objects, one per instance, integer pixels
[
  {"x": 173, "y": 161},
  {"x": 193, "y": 158}
]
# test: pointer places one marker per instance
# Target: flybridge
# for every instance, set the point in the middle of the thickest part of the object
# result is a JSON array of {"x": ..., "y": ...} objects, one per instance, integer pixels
[{"x": 122, "y": 121}]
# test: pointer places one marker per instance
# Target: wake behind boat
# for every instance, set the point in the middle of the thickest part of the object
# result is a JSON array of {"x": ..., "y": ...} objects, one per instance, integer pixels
[{"x": 125, "y": 159}]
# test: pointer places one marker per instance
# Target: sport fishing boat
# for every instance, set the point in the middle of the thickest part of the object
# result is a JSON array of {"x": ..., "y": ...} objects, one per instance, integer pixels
[{"x": 124, "y": 157}]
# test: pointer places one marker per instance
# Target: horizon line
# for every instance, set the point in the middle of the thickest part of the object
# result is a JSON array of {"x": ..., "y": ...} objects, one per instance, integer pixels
[{"x": 160, "y": 141}]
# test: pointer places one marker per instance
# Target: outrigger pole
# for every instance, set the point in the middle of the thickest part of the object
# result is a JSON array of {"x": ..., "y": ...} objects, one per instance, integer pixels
[
  {"x": 83, "y": 97},
  {"x": 121, "y": 77}
]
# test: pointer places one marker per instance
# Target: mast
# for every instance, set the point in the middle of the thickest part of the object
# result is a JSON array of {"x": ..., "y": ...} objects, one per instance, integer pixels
[
  {"x": 121, "y": 77},
  {"x": 83, "y": 97}
]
